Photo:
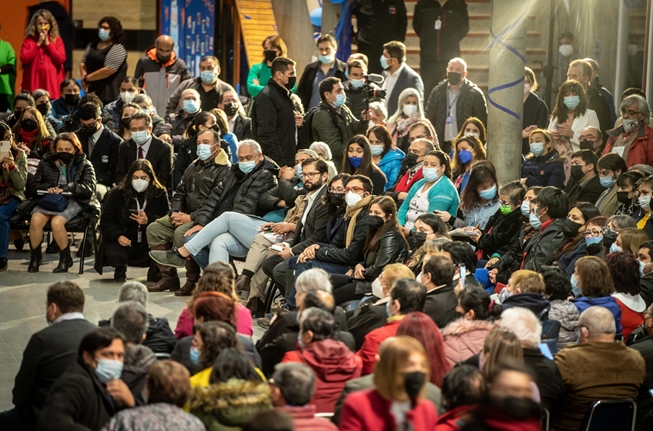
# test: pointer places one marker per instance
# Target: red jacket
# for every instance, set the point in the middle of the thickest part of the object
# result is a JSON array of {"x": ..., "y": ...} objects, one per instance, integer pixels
[
  {"x": 369, "y": 411},
  {"x": 450, "y": 421},
  {"x": 303, "y": 418},
  {"x": 43, "y": 65},
  {"x": 641, "y": 149},
  {"x": 334, "y": 365},
  {"x": 373, "y": 340}
]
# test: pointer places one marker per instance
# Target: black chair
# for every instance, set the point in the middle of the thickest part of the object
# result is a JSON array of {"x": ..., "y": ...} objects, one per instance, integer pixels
[
  {"x": 545, "y": 419},
  {"x": 610, "y": 415},
  {"x": 270, "y": 293}
]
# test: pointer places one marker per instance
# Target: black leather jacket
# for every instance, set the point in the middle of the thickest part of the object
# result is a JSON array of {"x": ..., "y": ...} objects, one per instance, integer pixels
[{"x": 541, "y": 249}]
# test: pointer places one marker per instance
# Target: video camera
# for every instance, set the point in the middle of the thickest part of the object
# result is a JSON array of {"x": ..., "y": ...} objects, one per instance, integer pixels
[{"x": 372, "y": 93}]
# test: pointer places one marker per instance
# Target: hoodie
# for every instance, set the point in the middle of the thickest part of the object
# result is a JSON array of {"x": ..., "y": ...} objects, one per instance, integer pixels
[
  {"x": 535, "y": 302},
  {"x": 138, "y": 360},
  {"x": 567, "y": 314},
  {"x": 464, "y": 338},
  {"x": 584, "y": 302},
  {"x": 390, "y": 165},
  {"x": 334, "y": 365}
]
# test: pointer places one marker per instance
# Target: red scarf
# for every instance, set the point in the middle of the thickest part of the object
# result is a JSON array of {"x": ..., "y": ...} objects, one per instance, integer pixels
[{"x": 28, "y": 137}]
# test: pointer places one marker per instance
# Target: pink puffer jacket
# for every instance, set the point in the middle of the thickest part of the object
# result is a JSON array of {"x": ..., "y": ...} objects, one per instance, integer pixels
[{"x": 464, "y": 338}]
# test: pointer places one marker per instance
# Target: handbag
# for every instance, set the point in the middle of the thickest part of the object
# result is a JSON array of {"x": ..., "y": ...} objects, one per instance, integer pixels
[{"x": 54, "y": 203}]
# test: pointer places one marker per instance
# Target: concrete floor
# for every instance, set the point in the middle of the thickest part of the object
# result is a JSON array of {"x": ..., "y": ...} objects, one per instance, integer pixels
[{"x": 22, "y": 306}]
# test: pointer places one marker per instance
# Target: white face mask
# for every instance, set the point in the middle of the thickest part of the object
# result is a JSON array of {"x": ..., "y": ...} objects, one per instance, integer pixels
[
  {"x": 127, "y": 96},
  {"x": 630, "y": 125},
  {"x": 644, "y": 202},
  {"x": 527, "y": 88},
  {"x": 352, "y": 198},
  {"x": 377, "y": 289},
  {"x": 140, "y": 185},
  {"x": 566, "y": 50},
  {"x": 410, "y": 110}
]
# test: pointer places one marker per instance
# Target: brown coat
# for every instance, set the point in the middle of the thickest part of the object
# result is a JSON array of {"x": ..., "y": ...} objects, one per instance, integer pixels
[
  {"x": 595, "y": 371},
  {"x": 464, "y": 339}
]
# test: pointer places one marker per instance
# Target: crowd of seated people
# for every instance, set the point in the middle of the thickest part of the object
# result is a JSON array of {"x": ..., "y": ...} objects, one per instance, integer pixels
[{"x": 412, "y": 289}]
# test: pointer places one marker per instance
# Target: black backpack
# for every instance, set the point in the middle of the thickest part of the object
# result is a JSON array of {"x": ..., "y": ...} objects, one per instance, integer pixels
[{"x": 305, "y": 133}]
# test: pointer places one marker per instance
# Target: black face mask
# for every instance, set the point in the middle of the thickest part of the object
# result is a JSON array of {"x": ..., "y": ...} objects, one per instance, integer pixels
[
  {"x": 419, "y": 238},
  {"x": 65, "y": 157},
  {"x": 375, "y": 222},
  {"x": 518, "y": 408},
  {"x": 29, "y": 125},
  {"x": 125, "y": 122},
  {"x": 623, "y": 198},
  {"x": 454, "y": 78},
  {"x": 163, "y": 60},
  {"x": 411, "y": 160},
  {"x": 587, "y": 145},
  {"x": 71, "y": 99},
  {"x": 270, "y": 54},
  {"x": 594, "y": 249},
  {"x": 413, "y": 383},
  {"x": 337, "y": 199},
  {"x": 291, "y": 82},
  {"x": 577, "y": 173},
  {"x": 43, "y": 108},
  {"x": 570, "y": 228},
  {"x": 609, "y": 237},
  {"x": 230, "y": 109}
]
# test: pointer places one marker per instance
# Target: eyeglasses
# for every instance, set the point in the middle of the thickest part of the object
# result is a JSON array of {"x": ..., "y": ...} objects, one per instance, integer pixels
[
  {"x": 594, "y": 232},
  {"x": 337, "y": 190},
  {"x": 309, "y": 175},
  {"x": 356, "y": 190},
  {"x": 629, "y": 112}
]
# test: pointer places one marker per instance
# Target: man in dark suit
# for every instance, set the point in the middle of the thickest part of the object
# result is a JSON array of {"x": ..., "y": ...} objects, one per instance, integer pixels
[
  {"x": 584, "y": 184},
  {"x": 239, "y": 124},
  {"x": 398, "y": 75},
  {"x": 100, "y": 145},
  {"x": 441, "y": 300},
  {"x": 48, "y": 354},
  {"x": 143, "y": 145},
  {"x": 326, "y": 66}
]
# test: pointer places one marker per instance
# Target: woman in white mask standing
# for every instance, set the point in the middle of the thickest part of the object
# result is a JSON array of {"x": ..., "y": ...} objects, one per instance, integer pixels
[
  {"x": 129, "y": 208},
  {"x": 409, "y": 110},
  {"x": 633, "y": 140}
]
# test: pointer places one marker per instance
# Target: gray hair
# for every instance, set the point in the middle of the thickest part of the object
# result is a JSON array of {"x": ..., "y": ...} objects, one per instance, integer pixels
[
  {"x": 459, "y": 60},
  {"x": 256, "y": 148},
  {"x": 643, "y": 106},
  {"x": 133, "y": 291},
  {"x": 37, "y": 94},
  {"x": 322, "y": 148},
  {"x": 622, "y": 221},
  {"x": 597, "y": 320},
  {"x": 379, "y": 109},
  {"x": 524, "y": 324},
  {"x": 313, "y": 279},
  {"x": 644, "y": 169},
  {"x": 296, "y": 382},
  {"x": 131, "y": 320},
  {"x": 408, "y": 92}
]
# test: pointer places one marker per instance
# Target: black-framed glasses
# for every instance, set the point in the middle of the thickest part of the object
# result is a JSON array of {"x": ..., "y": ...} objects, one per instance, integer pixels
[
  {"x": 630, "y": 112},
  {"x": 309, "y": 175}
]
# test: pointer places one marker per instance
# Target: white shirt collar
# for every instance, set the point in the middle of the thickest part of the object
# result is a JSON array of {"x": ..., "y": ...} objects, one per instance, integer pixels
[
  {"x": 97, "y": 134},
  {"x": 398, "y": 71},
  {"x": 69, "y": 316}
]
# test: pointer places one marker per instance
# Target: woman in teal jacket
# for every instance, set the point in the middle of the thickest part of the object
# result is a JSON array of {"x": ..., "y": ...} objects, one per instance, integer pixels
[
  {"x": 260, "y": 73},
  {"x": 385, "y": 155},
  {"x": 435, "y": 192}
]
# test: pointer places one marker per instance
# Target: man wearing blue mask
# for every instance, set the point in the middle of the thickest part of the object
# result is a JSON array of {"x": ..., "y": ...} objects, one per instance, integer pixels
[
  {"x": 208, "y": 85},
  {"x": 90, "y": 391},
  {"x": 609, "y": 167},
  {"x": 176, "y": 123},
  {"x": 327, "y": 65},
  {"x": 333, "y": 123},
  {"x": 398, "y": 75},
  {"x": 356, "y": 71}
]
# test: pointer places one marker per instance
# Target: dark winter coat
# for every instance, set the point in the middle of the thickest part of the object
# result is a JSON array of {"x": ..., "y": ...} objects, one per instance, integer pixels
[
  {"x": 337, "y": 251},
  {"x": 588, "y": 193},
  {"x": 568, "y": 261},
  {"x": 355, "y": 99},
  {"x": 159, "y": 337},
  {"x": 536, "y": 302},
  {"x": 247, "y": 200},
  {"x": 305, "y": 86},
  {"x": 369, "y": 318},
  {"x": 441, "y": 304},
  {"x": 336, "y": 128},
  {"x": 546, "y": 170},
  {"x": 644, "y": 399},
  {"x": 176, "y": 124},
  {"x": 138, "y": 360},
  {"x": 470, "y": 103},
  {"x": 82, "y": 185},
  {"x": 541, "y": 249},
  {"x": 380, "y": 22},
  {"x": 104, "y": 156},
  {"x": 443, "y": 44},
  {"x": 500, "y": 233}
]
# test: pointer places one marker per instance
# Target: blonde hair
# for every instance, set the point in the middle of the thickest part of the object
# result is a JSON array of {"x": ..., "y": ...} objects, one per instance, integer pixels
[
  {"x": 396, "y": 271},
  {"x": 632, "y": 238},
  {"x": 32, "y": 31},
  {"x": 499, "y": 345},
  {"x": 528, "y": 281},
  {"x": 394, "y": 353}
]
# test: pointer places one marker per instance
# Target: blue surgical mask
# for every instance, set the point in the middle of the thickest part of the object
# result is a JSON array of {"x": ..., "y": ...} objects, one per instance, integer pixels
[
  {"x": 207, "y": 77},
  {"x": 384, "y": 63},
  {"x": 355, "y": 161},
  {"x": 140, "y": 137},
  {"x": 104, "y": 34},
  {"x": 108, "y": 369},
  {"x": 641, "y": 268},
  {"x": 571, "y": 102},
  {"x": 356, "y": 83},
  {"x": 247, "y": 167},
  {"x": 537, "y": 148},
  {"x": 534, "y": 220},
  {"x": 340, "y": 100},
  {"x": 607, "y": 181},
  {"x": 614, "y": 248},
  {"x": 591, "y": 240},
  {"x": 526, "y": 208},
  {"x": 430, "y": 174},
  {"x": 298, "y": 171},
  {"x": 387, "y": 308},
  {"x": 299, "y": 340},
  {"x": 195, "y": 355},
  {"x": 489, "y": 194},
  {"x": 574, "y": 286},
  {"x": 191, "y": 106},
  {"x": 204, "y": 151},
  {"x": 326, "y": 59},
  {"x": 377, "y": 150}
]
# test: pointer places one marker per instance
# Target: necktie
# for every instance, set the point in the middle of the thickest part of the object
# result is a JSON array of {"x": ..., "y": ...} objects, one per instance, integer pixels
[
  {"x": 140, "y": 152},
  {"x": 91, "y": 145}
]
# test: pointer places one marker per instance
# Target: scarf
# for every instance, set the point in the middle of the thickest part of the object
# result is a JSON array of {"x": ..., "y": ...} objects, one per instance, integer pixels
[
  {"x": 352, "y": 213},
  {"x": 28, "y": 137}
]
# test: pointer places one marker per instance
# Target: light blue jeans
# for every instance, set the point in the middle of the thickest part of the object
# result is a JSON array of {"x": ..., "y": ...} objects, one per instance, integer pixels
[{"x": 230, "y": 234}]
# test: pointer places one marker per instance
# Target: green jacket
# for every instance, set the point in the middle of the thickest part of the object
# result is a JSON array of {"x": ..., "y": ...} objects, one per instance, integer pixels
[
  {"x": 18, "y": 177},
  {"x": 336, "y": 129},
  {"x": 7, "y": 79},
  {"x": 263, "y": 73}
]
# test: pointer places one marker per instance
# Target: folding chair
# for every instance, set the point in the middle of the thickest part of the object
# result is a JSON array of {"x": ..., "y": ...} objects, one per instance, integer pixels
[{"x": 610, "y": 415}]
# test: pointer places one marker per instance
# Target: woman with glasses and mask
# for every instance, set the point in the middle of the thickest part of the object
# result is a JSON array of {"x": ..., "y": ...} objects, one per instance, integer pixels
[
  {"x": 65, "y": 183},
  {"x": 576, "y": 224},
  {"x": 633, "y": 140},
  {"x": 627, "y": 193},
  {"x": 128, "y": 209}
]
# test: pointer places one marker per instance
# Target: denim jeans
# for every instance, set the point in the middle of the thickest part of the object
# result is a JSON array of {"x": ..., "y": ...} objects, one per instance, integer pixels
[
  {"x": 6, "y": 211},
  {"x": 219, "y": 250},
  {"x": 236, "y": 226},
  {"x": 331, "y": 268}
]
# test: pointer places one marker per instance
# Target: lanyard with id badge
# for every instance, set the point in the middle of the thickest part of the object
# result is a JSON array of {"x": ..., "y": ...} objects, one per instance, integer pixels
[
  {"x": 139, "y": 234},
  {"x": 448, "y": 125}
]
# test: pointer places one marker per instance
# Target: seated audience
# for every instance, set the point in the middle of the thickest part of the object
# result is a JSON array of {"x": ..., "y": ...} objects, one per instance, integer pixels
[
  {"x": 499, "y": 345},
  {"x": 464, "y": 337},
  {"x": 409, "y": 111},
  {"x": 645, "y": 348},
  {"x": 544, "y": 166},
  {"x": 468, "y": 149},
  {"x": 177, "y": 123},
  {"x": 239, "y": 124},
  {"x": 593, "y": 278},
  {"x": 324, "y": 152},
  {"x": 159, "y": 127},
  {"x": 42, "y": 104},
  {"x": 33, "y": 133},
  {"x": 187, "y": 150},
  {"x": 397, "y": 398},
  {"x": 67, "y": 103},
  {"x": 557, "y": 289},
  {"x": 610, "y": 167},
  {"x": 406, "y": 296},
  {"x": 525, "y": 289},
  {"x": 627, "y": 193},
  {"x": 331, "y": 360},
  {"x": 624, "y": 268},
  {"x": 584, "y": 185},
  {"x": 463, "y": 388},
  {"x": 574, "y": 229},
  {"x": 646, "y": 271},
  {"x": 122, "y": 128},
  {"x": 128, "y": 90},
  {"x": 634, "y": 139},
  {"x": 596, "y": 368},
  {"x": 358, "y": 161},
  {"x": 293, "y": 387},
  {"x": 461, "y": 254},
  {"x": 441, "y": 301},
  {"x": 48, "y": 354},
  {"x": 385, "y": 155},
  {"x": 65, "y": 170},
  {"x": 167, "y": 392},
  {"x": 427, "y": 228},
  {"x": 643, "y": 216},
  {"x": 129, "y": 209},
  {"x": 90, "y": 391},
  {"x": 411, "y": 169},
  {"x": 210, "y": 339}
]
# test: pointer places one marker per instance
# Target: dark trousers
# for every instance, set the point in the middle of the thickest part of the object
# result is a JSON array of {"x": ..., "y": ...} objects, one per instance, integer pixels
[
  {"x": 4, "y": 103},
  {"x": 432, "y": 72},
  {"x": 17, "y": 420},
  {"x": 331, "y": 268},
  {"x": 374, "y": 53},
  {"x": 344, "y": 289},
  {"x": 118, "y": 256}
]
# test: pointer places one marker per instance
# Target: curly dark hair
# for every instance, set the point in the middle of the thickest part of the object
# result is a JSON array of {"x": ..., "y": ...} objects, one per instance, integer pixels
[
  {"x": 556, "y": 283},
  {"x": 117, "y": 34},
  {"x": 216, "y": 336},
  {"x": 624, "y": 268}
]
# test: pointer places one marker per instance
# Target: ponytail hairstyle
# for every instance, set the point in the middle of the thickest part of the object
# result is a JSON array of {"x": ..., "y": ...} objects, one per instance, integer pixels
[{"x": 479, "y": 301}]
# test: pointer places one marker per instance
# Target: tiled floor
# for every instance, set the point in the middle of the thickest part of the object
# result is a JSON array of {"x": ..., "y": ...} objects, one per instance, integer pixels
[{"x": 22, "y": 306}]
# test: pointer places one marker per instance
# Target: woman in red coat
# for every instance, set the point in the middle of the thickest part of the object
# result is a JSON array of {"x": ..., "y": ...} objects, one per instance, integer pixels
[
  {"x": 43, "y": 54},
  {"x": 397, "y": 401}
]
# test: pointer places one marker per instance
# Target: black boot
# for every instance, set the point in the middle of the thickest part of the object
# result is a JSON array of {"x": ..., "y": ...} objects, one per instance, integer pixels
[
  {"x": 35, "y": 259},
  {"x": 65, "y": 260},
  {"x": 120, "y": 274}
]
